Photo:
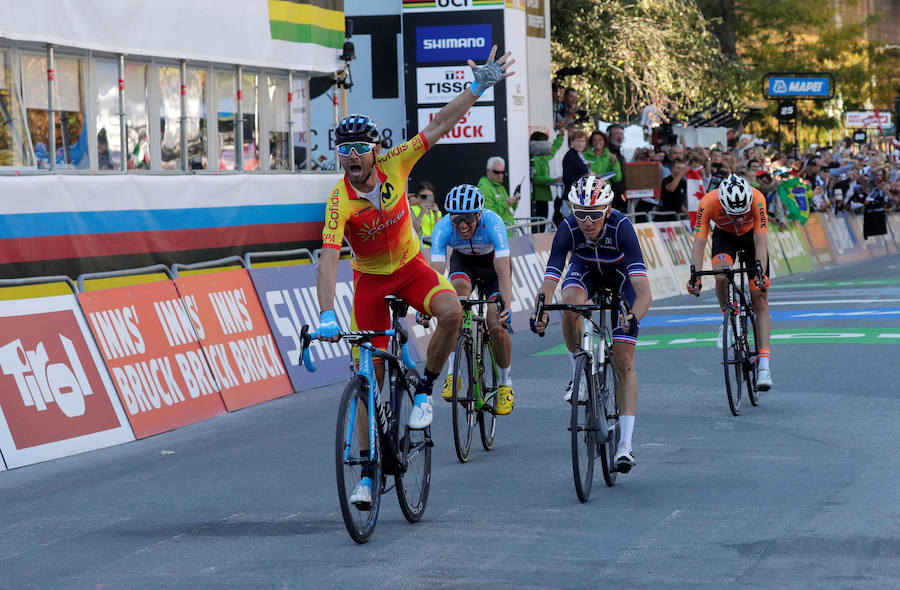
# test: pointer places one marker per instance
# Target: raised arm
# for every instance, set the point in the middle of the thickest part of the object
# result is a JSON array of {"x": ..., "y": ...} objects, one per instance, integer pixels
[{"x": 491, "y": 73}]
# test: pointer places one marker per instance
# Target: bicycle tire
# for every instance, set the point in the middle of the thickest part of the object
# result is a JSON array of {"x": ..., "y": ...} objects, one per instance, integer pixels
[
  {"x": 752, "y": 358},
  {"x": 732, "y": 361},
  {"x": 360, "y": 523},
  {"x": 414, "y": 483},
  {"x": 607, "y": 450},
  {"x": 490, "y": 381},
  {"x": 584, "y": 448},
  {"x": 463, "y": 400}
]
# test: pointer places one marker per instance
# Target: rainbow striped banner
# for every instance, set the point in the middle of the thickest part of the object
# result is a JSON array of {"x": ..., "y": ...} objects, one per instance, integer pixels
[{"x": 308, "y": 21}]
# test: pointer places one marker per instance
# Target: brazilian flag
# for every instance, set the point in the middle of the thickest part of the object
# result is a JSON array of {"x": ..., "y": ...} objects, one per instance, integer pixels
[
  {"x": 308, "y": 21},
  {"x": 797, "y": 198}
]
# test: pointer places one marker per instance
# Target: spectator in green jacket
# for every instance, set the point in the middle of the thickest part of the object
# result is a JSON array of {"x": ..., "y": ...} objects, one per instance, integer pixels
[
  {"x": 496, "y": 197},
  {"x": 599, "y": 159},
  {"x": 542, "y": 151}
]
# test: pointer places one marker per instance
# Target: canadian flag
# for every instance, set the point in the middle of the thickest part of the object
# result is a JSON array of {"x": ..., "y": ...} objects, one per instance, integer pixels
[{"x": 695, "y": 191}]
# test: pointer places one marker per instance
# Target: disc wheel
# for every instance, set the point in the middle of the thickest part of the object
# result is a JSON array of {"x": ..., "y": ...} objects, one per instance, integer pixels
[
  {"x": 732, "y": 361},
  {"x": 352, "y": 418},
  {"x": 463, "y": 400},
  {"x": 581, "y": 428}
]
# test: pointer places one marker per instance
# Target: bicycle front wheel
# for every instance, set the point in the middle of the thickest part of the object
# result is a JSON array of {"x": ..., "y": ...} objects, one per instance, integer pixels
[
  {"x": 751, "y": 358},
  {"x": 732, "y": 361},
  {"x": 352, "y": 436},
  {"x": 607, "y": 450},
  {"x": 581, "y": 428},
  {"x": 414, "y": 482},
  {"x": 490, "y": 381},
  {"x": 463, "y": 398}
]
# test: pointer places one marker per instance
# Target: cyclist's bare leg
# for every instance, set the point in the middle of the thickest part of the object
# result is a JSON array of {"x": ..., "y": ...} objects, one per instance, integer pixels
[
  {"x": 759, "y": 300},
  {"x": 500, "y": 341},
  {"x": 571, "y": 321},
  {"x": 721, "y": 283},
  {"x": 446, "y": 308},
  {"x": 624, "y": 366}
]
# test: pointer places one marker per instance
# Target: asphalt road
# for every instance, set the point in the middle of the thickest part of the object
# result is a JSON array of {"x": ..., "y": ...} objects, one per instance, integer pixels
[{"x": 798, "y": 492}]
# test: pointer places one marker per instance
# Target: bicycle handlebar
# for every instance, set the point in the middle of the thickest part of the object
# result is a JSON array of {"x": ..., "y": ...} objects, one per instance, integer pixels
[
  {"x": 585, "y": 309},
  {"x": 355, "y": 337}
]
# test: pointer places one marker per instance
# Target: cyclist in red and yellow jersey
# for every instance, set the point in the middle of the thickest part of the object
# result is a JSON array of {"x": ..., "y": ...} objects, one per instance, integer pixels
[
  {"x": 739, "y": 214},
  {"x": 369, "y": 208}
]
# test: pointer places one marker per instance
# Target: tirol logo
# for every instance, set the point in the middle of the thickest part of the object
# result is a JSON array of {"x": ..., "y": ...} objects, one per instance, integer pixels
[
  {"x": 51, "y": 389},
  {"x": 453, "y": 43}
]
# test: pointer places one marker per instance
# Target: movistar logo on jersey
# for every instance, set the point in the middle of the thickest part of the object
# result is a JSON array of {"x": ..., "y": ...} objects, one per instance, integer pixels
[{"x": 453, "y": 43}]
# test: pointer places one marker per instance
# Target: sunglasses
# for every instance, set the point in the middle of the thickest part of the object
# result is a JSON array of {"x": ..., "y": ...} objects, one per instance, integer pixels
[
  {"x": 503, "y": 172},
  {"x": 361, "y": 147},
  {"x": 467, "y": 218},
  {"x": 592, "y": 215}
]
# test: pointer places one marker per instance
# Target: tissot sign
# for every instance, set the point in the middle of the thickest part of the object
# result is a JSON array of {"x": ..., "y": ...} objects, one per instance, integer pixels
[
  {"x": 441, "y": 84},
  {"x": 811, "y": 86}
]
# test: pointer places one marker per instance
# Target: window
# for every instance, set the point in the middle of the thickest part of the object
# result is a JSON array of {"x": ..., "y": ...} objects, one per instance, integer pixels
[
  {"x": 109, "y": 141},
  {"x": 195, "y": 118},
  {"x": 250, "y": 118},
  {"x": 15, "y": 149},
  {"x": 71, "y": 146},
  {"x": 277, "y": 122},
  {"x": 137, "y": 122},
  {"x": 225, "y": 110},
  {"x": 170, "y": 117}
]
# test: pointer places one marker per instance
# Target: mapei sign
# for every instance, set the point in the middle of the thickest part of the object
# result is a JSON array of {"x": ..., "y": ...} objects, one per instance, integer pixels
[
  {"x": 440, "y": 85},
  {"x": 453, "y": 43},
  {"x": 815, "y": 86}
]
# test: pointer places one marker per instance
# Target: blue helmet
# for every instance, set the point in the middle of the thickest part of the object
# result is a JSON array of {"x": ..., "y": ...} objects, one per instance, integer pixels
[
  {"x": 464, "y": 198},
  {"x": 356, "y": 128}
]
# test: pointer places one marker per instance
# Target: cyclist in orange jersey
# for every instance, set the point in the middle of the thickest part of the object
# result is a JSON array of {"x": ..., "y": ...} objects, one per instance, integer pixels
[
  {"x": 369, "y": 208},
  {"x": 741, "y": 224}
]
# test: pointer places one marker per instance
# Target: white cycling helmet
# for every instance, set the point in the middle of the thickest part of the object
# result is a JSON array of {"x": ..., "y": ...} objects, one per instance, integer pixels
[
  {"x": 735, "y": 194},
  {"x": 591, "y": 191}
]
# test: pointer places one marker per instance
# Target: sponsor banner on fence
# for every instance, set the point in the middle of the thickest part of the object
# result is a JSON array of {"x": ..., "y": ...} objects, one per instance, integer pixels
[
  {"x": 56, "y": 398},
  {"x": 794, "y": 248},
  {"x": 288, "y": 298},
  {"x": 476, "y": 126},
  {"x": 441, "y": 84},
  {"x": 817, "y": 242},
  {"x": 148, "y": 337},
  {"x": 874, "y": 245},
  {"x": 663, "y": 282},
  {"x": 844, "y": 242},
  {"x": 235, "y": 337},
  {"x": 677, "y": 240}
]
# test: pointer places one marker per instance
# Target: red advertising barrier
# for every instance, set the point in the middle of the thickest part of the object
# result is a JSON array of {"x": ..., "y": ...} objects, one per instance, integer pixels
[
  {"x": 235, "y": 337},
  {"x": 148, "y": 338},
  {"x": 56, "y": 398}
]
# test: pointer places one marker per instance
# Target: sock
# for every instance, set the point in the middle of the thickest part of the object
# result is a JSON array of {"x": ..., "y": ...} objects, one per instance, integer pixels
[
  {"x": 763, "y": 362},
  {"x": 572, "y": 358},
  {"x": 504, "y": 375},
  {"x": 368, "y": 470},
  {"x": 450, "y": 363},
  {"x": 626, "y": 423},
  {"x": 426, "y": 384}
]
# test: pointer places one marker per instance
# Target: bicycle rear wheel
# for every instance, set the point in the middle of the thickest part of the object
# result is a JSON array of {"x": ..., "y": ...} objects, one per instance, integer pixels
[
  {"x": 581, "y": 428},
  {"x": 732, "y": 361},
  {"x": 752, "y": 358},
  {"x": 463, "y": 398},
  {"x": 607, "y": 450},
  {"x": 490, "y": 381},
  {"x": 414, "y": 483},
  {"x": 360, "y": 521}
]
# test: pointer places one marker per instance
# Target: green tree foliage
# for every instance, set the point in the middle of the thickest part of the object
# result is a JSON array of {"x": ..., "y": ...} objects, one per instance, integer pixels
[{"x": 640, "y": 52}]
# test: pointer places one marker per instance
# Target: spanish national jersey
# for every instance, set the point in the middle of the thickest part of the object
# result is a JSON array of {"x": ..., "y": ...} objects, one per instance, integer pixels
[
  {"x": 710, "y": 209},
  {"x": 382, "y": 240}
]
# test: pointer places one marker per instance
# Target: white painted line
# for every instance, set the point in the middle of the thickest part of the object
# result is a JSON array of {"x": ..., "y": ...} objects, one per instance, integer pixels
[
  {"x": 647, "y": 342},
  {"x": 889, "y": 335},
  {"x": 771, "y": 303},
  {"x": 829, "y": 335}
]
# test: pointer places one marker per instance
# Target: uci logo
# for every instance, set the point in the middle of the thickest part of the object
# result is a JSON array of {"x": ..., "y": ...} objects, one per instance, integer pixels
[{"x": 452, "y": 3}]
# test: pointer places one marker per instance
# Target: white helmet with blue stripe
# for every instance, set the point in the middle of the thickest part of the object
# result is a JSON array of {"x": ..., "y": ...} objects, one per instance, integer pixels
[{"x": 464, "y": 198}]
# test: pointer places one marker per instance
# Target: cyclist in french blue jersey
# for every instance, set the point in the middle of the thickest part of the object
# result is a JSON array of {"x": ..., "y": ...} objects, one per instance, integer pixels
[
  {"x": 480, "y": 259},
  {"x": 604, "y": 252}
]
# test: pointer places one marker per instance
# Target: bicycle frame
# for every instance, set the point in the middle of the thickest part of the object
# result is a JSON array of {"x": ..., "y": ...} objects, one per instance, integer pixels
[{"x": 473, "y": 327}]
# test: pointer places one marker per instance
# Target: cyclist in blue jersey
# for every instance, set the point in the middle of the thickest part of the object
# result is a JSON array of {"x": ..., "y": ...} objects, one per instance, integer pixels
[
  {"x": 605, "y": 252},
  {"x": 480, "y": 259}
]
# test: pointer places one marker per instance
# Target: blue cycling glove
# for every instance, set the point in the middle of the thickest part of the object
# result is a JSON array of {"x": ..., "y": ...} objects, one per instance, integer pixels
[
  {"x": 328, "y": 325},
  {"x": 486, "y": 76}
]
